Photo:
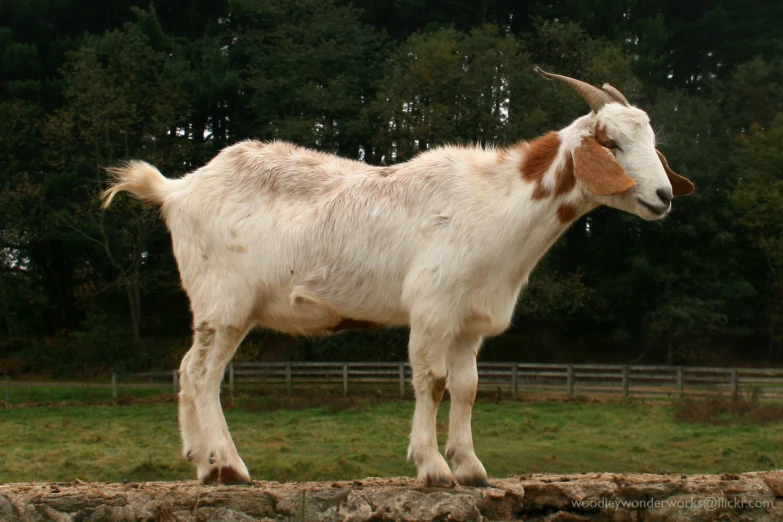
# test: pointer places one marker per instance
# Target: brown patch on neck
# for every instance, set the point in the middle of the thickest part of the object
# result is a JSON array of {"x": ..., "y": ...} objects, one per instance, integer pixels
[
  {"x": 539, "y": 157},
  {"x": 565, "y": 180},
  {"x": 541, "y": 192},
  {"x": 566, "y": 213}
]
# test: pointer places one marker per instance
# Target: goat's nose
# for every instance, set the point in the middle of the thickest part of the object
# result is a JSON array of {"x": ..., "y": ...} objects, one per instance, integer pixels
[{"x": 665, "y": 195}]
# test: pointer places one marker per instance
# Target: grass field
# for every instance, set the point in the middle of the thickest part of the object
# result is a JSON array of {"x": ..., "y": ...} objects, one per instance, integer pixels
[
  {"x": 87, "y": 393},
  {"x": 141, "y": 442}
]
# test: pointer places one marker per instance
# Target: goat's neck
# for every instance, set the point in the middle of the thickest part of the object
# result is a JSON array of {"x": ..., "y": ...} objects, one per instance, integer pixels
[
  {"x": 550, "y": 198},
  {"x": 546, "y": 167}
]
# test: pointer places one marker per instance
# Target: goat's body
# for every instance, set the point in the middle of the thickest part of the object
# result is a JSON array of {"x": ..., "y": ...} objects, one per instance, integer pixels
[
  {"x": 298, "y": 241},
  {"x": 307, "y": 240}
]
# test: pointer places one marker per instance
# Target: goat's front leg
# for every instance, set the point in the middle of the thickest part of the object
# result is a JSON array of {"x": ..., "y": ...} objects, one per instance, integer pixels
[
  {"x": 462, "y": 383},
  {"x": 205, "y": 434},
  {"x": 428, "y": 362}
]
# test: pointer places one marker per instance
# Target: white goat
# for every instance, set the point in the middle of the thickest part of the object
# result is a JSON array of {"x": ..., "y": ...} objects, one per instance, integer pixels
[{"x": 286, "y": 238}]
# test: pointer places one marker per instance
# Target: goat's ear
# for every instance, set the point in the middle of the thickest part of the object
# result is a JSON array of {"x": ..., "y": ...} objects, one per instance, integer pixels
[
  {"x": 598, "y": 170},
  {"x": 681, "y": 186}
]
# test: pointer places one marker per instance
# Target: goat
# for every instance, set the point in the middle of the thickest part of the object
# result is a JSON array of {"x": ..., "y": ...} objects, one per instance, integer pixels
[{"x": 302, "y": 242}]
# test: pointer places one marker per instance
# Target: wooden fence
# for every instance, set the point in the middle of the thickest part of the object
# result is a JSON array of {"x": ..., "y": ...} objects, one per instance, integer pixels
[
  {"x": 506, "y": 379},
  {"x": 510, "y": 379}
]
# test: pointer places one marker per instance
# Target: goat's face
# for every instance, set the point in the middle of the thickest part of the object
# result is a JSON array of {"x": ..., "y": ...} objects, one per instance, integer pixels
[
  {"x": 614, "y": 155},
  {"x": 634, "y": 176}
]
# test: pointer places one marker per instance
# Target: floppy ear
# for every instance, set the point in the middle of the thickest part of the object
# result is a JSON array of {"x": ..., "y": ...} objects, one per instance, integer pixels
[
  {"x": 596, "y": 167},
  {"x": 680, "y": 186}
]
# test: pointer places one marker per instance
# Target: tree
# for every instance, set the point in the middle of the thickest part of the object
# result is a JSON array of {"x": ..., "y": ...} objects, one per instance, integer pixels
[
  {"x": 123, "y": 100},
  {"x": 758, "y": 198},
  {"x": 308, "y": 67}
]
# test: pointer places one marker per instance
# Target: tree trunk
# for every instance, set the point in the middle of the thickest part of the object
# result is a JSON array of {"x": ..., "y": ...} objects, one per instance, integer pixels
[{"x": 585, "y": 497}]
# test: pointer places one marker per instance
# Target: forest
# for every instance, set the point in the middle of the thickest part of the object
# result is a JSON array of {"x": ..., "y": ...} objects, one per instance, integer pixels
[{"x": 87, "y": 84}]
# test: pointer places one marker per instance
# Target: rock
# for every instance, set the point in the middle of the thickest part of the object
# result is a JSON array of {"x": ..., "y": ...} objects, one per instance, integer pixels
[{"x": 601, "y": 497}]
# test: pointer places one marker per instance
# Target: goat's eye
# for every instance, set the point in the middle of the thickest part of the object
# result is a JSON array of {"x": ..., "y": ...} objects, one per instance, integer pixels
[{"x": 611, "y": 145}]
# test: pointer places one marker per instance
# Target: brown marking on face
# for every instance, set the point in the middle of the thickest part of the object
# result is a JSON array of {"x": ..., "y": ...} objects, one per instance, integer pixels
[
  {"x": 604, "y": 140},
  {"x": 539, "y": 157},
  {"x": 566, "y": 213},
  {"x": 239, "y": 249},
  {"x": 353, "y": 324},
  {"x": 565, "y": 181},
  {"x": 601, "y": 136}
]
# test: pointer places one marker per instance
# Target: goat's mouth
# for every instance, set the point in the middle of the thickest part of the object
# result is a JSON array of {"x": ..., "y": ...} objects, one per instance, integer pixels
[{"x": 657, "y": 211}]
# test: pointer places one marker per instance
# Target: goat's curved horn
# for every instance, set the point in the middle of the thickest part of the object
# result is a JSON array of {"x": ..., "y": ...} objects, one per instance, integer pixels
[
  {"x": 614, "y": 93},
  {"x": 595, "y": 97}
]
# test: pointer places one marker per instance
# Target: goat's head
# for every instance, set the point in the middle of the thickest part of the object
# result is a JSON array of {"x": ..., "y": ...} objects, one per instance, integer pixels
[{"x": 614, "y": 156}]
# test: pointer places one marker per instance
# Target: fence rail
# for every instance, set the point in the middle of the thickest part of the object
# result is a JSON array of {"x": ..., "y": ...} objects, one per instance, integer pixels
[
  {"x": 509, "y": 379},
  {"x": 513, "y": 378}
]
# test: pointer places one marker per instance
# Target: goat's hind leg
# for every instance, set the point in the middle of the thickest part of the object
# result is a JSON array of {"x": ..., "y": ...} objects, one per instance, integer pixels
[{"x": 205, "y": 434}]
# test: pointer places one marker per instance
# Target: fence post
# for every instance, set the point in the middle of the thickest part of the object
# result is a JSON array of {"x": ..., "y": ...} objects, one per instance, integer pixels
[
  {"x": 626, "y": 384},
  {"x": 402, "y": 381},
  {"x": 514, "y": 381},
  {"x": 288, "y": 384},
  {"x": 680, "y": 383},
  {"x": 231, "y": 379},
  {"x": 345, "y": 379},
  {"x": 174, "y": 381},
  {"x": 570, "y": 380},
  {"x": 734, "y": 384},
  {"x": 114, "y": 389},
  {"x": 7, "y": 389}
]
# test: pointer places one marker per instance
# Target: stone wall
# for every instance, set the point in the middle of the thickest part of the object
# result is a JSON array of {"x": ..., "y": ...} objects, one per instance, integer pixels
[{"x": 601, "y": 497}]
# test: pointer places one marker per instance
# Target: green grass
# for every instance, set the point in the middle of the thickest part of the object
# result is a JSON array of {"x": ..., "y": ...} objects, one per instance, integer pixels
[
  {"x": 21, "y": 394},
  {"x": 141, "y": 442}
]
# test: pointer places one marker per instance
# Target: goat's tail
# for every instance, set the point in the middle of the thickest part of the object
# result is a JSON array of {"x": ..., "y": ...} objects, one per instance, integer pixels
[{"x": 141, "y": 179}]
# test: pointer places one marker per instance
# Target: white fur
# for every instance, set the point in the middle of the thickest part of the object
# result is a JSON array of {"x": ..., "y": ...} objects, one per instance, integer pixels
[{"x": 294, "y": 240}]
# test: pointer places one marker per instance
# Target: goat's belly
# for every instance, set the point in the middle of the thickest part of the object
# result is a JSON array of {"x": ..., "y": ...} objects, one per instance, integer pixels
[{"x": 303, "y": 311}]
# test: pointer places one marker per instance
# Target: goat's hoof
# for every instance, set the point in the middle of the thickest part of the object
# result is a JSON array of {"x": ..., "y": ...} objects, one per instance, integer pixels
[
  {"x": 475, "y": 482},
  {"x": 439, "y": 481},
  {"x": 231, "y": 477},
  {"x": 211, "y": 477},
  {"x": 227, "y": 475}
]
